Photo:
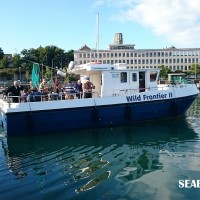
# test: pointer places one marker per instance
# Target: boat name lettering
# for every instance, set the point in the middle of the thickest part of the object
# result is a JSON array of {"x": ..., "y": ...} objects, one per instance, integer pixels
[{"x": 145, "y": 97}]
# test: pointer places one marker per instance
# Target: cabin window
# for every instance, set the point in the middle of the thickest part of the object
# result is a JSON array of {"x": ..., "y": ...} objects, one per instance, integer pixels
[
  {"x": 123, "y": 76},
  {"x": 134, "y": 77},
  {"x": 153, "y": 76}
]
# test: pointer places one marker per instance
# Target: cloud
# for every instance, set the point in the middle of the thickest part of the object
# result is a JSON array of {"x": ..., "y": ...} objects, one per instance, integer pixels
[{"x": 176, "y": 20}]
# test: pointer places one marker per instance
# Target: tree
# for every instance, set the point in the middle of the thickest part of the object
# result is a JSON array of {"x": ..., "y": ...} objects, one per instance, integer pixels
[
  {"x": 164, "y": 71},
  {"x": 195, "y": 69},
  {"x": 16, "y": 61},
  {"x": 1, "y": 53},
  {"x": 4, "y": 62}
]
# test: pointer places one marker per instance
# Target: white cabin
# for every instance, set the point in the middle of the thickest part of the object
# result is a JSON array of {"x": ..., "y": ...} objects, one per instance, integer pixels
[{"x": 118, "y": 79}]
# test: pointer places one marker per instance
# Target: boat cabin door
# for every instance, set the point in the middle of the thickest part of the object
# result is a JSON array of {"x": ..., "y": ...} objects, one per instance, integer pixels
[{"x": 142, "y": 81}]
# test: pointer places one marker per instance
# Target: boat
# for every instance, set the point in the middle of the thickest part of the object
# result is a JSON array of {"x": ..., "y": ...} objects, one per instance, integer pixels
[{"x": 122, "y": 95}]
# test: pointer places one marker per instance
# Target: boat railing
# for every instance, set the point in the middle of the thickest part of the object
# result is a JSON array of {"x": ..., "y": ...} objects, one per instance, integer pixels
[
  {"x": 152, "y": 88},
  {"x": 46, "y": 97},
  {"x": 131, "y": 91}
]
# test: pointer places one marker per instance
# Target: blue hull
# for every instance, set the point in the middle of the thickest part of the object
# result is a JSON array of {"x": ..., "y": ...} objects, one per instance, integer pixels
[{"x": 25, "y": 123}]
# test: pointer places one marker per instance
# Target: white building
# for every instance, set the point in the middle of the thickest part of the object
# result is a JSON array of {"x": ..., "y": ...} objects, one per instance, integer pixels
[{"x": 174, "y": 58}]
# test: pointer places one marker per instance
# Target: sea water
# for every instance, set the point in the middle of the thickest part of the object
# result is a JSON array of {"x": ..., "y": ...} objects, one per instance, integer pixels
[{"x": 154, "y": 160}]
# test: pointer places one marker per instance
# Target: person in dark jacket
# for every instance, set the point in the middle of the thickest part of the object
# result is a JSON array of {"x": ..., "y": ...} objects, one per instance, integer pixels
[
  {"x": 15, "y": 91},
  {"x": 78, "y": 89}
]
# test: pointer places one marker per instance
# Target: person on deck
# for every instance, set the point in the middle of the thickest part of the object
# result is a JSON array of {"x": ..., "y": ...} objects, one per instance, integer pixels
[
  {"x": 79, "y": 89},
  {"x": 69, "y": 90},
  {"x": 44, "y": 88},
  {"x": 15, "y": 91},
  {"x": 87, "y": 88}
]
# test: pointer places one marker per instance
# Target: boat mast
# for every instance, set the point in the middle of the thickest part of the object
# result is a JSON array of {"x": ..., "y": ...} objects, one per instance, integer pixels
[{"x": 97, "y": 42}]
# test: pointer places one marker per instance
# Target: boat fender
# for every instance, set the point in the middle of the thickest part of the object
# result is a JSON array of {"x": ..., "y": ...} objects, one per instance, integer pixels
[
  {"x": 61, "y": 73},
  {"x": 128, "y": 113},
  {"x": 1, "y": 123},
  {"x": 71, "y": 65}
]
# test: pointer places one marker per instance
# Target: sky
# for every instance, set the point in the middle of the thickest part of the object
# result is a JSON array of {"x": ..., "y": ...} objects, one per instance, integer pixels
[{"x": 70, "y": 24}]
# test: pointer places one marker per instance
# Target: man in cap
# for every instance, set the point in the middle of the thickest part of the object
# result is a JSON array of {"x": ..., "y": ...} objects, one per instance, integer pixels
[{"x": 87, "y": 88}]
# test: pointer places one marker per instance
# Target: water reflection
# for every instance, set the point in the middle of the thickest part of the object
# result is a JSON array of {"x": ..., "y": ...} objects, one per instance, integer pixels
[{"x": 83, "y": 160}]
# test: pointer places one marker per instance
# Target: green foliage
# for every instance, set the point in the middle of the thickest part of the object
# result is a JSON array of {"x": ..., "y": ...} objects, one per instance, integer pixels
[
  {"x": 4, "y": 62},
  {"x": 47, "y": 74},
  {"x": 1, "y": 53},
  {"x": 8, "y": 73},
  {"x": 51, "y": 56},
  {"x": 16, "y": 61},
  {"x": 195, "y": 69},
  {"x": 164, "y": 70}
]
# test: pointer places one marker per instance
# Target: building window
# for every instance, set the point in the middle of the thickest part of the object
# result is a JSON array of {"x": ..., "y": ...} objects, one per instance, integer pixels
[
  {"x": 134, "y": 77},
  {"x": 123, "y": 77},
  {"x": 153, "y": 76}
]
